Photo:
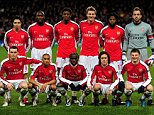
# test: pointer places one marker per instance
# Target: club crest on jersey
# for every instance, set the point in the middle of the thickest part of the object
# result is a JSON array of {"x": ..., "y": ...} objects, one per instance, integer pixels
[
  {"x": 20, "y": 63},
  {"x": 140, "y": 70},
  {"x": 110, "y": 72},
  {"x": 79, "y": 71},
  {"x": 118, "y": 33},
  {"x": 71, "y": 28},
  {"x": 96, "y": 27},
  {"x": 142, "y": 29},
  {"x": 22, "y": 36},
  {"x": 47, "y": 30},
  {"x": 50, "y": 71}
]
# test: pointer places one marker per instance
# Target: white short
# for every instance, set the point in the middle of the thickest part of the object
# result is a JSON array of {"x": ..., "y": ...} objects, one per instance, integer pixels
[
  {"x": 104, "y": 87},
  {"x": 117, "y": 65},
  {"x": 16, "y": 83},
  {"x": 61, "y": 61},
  {"x": 89, "y": 62},
  {"x": 118, "y": 68},
  {"x": 38, "y": 53},
  {"x": 135, "y": 85}
]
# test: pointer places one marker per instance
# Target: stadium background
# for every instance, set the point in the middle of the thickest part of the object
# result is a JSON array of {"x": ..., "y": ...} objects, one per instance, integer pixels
[{"x": 52, "y": 8}]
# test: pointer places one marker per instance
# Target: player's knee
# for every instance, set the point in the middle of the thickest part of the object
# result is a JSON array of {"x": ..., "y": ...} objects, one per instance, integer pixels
[
  {"x": 53, "y": 87},
  {"x": 30, "y": 85},
  {"x": 32, "y": 92},
  {"x": 2, "y": 92},
  {"x": 24, "y": 85},
  {"x": 96, "y": 87},
  {"x": 150, "y": 88},
  {"x": 23, "y": 91}
]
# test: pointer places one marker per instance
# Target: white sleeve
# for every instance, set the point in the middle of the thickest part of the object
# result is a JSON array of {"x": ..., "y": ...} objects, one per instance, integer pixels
[{"x": 114, "y": 84}]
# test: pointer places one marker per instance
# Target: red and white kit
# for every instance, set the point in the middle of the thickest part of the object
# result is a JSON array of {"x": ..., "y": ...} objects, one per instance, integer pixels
[
  {"x": 19, "y": 39},
  {"x": 70, "y": 74}
]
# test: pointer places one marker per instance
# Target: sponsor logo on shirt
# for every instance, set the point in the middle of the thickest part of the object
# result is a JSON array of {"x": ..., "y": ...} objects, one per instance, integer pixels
[{"x": 112, "y": 40}]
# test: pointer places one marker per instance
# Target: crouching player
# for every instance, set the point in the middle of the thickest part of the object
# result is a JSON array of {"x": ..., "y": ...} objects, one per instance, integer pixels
[
  {"x": 73, "y": 75},
  {"x": 106, "y": 79},
  {"x": 43, "y": 80},
  {"x": 138, "y": 79},
  {"x": 13, "y": 68}
]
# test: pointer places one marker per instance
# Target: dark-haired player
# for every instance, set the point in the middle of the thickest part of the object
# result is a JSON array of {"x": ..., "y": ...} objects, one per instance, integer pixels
[
  {"x": 113, "y": 37},
  {"x": 138, "y": 79},
  {"x": 18, "y": 37},
  {"x": 67, "y": 37},
  {"x": 13, "y": 68}
]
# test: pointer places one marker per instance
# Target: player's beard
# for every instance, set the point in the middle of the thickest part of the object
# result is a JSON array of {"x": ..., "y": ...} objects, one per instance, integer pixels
[{"x": 112, "y": 25}]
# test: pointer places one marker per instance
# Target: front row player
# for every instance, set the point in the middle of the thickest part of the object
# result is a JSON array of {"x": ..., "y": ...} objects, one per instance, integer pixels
[
  {"x": 138, "y": 79},
  {"x": 72, "y": 75},
  {"x": 43, "y": 80},
  {"x": 13, "y": 68},
  {"x": 105, "y": 77}
]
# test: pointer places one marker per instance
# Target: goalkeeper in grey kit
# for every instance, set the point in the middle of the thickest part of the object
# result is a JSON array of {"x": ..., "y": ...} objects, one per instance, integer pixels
[{"x": 137, "y": 35}]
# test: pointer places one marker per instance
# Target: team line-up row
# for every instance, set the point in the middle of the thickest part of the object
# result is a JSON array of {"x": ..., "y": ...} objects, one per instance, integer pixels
[{"x": 103, "y": 79}]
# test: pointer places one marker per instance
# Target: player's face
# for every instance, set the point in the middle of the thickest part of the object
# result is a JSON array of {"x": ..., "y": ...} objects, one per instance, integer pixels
[
  {"x": 17, "y": 24},
  {"x": 40, "y": 17},
  {"x": 104, "y": 60},
  {"x": 135, "y": 57},
  {"x": 46, "y": 60},
  {"x": 66, "y": 15},
  {"x": 13, "y": 53},
  {"x": 74, "y": 60},
  {"x": 137, "y": 16},
  {"x": 91, "y": 15},
  {"x": 112, "y": 21}
]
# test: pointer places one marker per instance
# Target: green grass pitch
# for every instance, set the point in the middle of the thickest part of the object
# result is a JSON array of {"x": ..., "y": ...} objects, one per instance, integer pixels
[{"x": 43, "y": 108}]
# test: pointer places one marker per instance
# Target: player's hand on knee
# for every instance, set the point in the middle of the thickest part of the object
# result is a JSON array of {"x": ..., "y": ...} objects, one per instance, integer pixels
[
  {"x": 10, "y": 86},
  {"x": 43, "y": 87},
  {"x": 90, "y": 88},
  {"x": 141, "y": 89}
]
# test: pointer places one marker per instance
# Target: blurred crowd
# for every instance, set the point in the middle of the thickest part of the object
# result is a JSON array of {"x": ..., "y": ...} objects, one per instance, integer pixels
[{"x": 52, "y": 8}]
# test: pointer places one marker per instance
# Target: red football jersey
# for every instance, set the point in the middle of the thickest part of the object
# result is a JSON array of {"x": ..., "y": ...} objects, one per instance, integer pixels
[
  {"x": 136, "y": 72},
  {"x": 67, "y": 36},
  {"x": 44, "y": 74},
  {"x": 73, "y": 73},
  {"x": 19, "y": 39},
  {"x": 105, "y": 75},
  {"x": 41, "y": 36},
  {"x": 14, "y": 69},
  {"x": 113, "y": 38},
  {"x": 90, "y": 34}
]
